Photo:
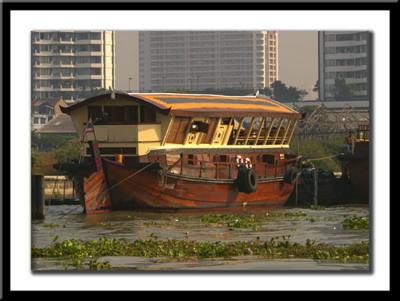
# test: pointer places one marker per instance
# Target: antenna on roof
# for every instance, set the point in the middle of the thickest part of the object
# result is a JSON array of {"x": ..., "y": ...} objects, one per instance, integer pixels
[{"x": 112, "y": 92}]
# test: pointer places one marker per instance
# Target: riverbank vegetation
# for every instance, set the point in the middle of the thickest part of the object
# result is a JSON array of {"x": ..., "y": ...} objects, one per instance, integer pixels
[{"x": 311, "y": 148}]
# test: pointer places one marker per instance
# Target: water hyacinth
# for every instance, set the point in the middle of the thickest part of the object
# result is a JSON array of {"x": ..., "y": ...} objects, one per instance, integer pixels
[
  {"x": 87, "y": 252},
  {"x": 356, "y": 223},
  {"x": 233, "y": 221}
]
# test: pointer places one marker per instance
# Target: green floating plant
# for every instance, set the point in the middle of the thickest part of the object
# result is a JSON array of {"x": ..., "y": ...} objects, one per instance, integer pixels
[{"x": 81, "y": 254}]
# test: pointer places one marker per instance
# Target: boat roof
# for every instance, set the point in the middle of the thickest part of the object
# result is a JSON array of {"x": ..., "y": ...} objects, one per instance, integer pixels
[{"x": 201, "y": 104}]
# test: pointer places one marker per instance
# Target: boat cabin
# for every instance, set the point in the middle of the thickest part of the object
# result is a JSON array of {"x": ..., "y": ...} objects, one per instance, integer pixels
[{"x": 145, "y": 124}]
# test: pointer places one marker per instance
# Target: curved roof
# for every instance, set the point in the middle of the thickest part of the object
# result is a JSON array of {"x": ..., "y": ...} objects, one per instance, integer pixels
[{"x": 203, "y": 104}]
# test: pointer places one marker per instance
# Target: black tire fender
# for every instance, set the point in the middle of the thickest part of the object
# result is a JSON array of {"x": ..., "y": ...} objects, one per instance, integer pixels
[
  {"x": 290, "y": 175},
  {"x": 246, "y": 180}
]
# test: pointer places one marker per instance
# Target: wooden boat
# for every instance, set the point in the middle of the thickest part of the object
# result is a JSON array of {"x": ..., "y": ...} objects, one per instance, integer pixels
[
  {"x": 185, "y": 150},
  {"x": 355, "y": 165}
]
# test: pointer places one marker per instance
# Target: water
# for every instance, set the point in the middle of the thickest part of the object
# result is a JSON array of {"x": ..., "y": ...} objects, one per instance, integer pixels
[{"x": 68, "y": 222}]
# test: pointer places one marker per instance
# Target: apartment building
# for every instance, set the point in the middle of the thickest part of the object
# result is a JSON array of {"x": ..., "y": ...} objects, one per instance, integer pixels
[
  {"x": 197, "y": 60},
  {"x": 71, "y": 65},
  {"x": 345, "y": 55}
]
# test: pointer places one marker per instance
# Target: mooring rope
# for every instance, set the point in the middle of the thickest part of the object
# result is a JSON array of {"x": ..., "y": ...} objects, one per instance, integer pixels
[
  {"x": 322, "y": 158},
  {"x": 130, "y": 176}
]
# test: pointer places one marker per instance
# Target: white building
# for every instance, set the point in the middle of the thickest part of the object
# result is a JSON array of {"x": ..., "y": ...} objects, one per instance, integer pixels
[
  {"x": 197, "y": 60},
  {"x": 345, "y": 55},
  {"x": 70, "y": 65}
]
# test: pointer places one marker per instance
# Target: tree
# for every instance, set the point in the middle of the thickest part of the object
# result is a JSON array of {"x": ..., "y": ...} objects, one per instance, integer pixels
[
  {"x": 287, "y": 94},
  {"x": 280, "y": 91},
  {"x": 266, "y": 91},
  {"x": 316, "y": 86},
  {"x": 68, "y": 151},
  {"x": 342, "y": 90}
]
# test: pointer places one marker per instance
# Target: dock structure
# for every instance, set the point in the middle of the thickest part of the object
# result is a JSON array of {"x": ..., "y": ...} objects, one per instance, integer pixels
[{"x": 37, "y": 200}]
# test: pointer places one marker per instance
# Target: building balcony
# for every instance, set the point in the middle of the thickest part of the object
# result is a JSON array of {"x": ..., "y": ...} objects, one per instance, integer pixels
[
  {"x": 43, "y": 65},
  {"x": 356, "y": 80},
  {"x": 63, "y": 65},
  {"x": 83, "y": 42},
  {"x": 89, "y": 53},
  {"x": 42, "y": 76},
  {"x": 348, "y": 81},
  {"x": 339, "y": 56},
  {"x": 55, "y": 89},
  {"x": 345, "y": 43},
  {"x": 88, "y": 76},
  {"x": 44, "y": 89},
  {"x": 66, "y": 89},
  {"x": 53, "y": 53},
  {"x": 345, "y": 68},
  {"x": 42, "y": 53},
  {"x": 89, "y": 65},
  {"x": 58, "y": 76}
]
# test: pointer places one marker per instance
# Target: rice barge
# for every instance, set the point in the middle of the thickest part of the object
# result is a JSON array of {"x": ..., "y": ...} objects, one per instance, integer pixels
[
  {"x": 355, "y": 165},
  {"x": 184, "y": 151}
]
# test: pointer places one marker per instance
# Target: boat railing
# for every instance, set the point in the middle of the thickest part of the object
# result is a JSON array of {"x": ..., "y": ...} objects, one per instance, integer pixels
[{"x": 226, "y": 170}]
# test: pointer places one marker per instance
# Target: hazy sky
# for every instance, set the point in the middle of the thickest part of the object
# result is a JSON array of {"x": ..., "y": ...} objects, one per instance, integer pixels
[
  {"x": 126, "y": 59},
  {"x": 298, "y": 59}
]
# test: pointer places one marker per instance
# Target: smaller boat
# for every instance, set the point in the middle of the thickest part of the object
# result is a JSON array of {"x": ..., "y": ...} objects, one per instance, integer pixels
[{"x": 355, "y": 164}]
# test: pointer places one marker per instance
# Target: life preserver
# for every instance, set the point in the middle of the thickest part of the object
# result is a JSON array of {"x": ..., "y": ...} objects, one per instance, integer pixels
[
  {"x": 239, "y": 161},
  {"x": 248, "y": 163},
  {"x": 246, "y": 180}
]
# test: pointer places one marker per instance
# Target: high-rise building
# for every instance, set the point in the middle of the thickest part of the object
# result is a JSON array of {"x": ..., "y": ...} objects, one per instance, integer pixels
[
  {"x": 345, "y": 60},
  {"x": 71, "y": 65},
  {"x": 197, "y": 60}
]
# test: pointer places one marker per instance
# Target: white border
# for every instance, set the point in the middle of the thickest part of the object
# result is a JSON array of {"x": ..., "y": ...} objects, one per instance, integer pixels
[{"x": 22, "y": 22}]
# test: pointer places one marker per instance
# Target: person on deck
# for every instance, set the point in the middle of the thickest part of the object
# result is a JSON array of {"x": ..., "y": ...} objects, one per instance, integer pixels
[{"x": 349, "y": 141}]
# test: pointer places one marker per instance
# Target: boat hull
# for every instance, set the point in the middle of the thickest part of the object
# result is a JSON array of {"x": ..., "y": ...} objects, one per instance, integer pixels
[{"x": 148, "y": 190}]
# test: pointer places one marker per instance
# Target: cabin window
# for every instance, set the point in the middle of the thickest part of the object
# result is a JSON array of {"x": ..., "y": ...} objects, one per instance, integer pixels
[
  {"x": 147, "y": 115},
  {"x": 226, "y": 121},
  {"x": 131, "y": 114},
  {"x": 113, "y": 114},
  {"x": 269, "y": 159},
  {"x": 115, "y": 150},
  {"x": 199, "y": 126},
  {"x": 95, "y": 113},
  {"x": 191, "y": 159},
  {"x": 223, "y": 158}
]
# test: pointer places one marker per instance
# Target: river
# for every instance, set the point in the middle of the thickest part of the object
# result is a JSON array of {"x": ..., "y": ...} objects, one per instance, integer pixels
[{"x": 319, "y": 224}]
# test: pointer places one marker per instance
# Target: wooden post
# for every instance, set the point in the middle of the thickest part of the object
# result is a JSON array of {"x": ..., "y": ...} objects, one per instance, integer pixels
[
  {"x": 64, "y": 189},
  {"x": 181, "y": 163},
  {"x": 37, "y": 208},
  {"x": 315, "y": 186},
  {"x": 297, "y": 192}
]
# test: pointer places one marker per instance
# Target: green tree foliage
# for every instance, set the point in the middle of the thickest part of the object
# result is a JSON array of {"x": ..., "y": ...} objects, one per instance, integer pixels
[
  {"x": 278, "y": 90},
  {"x": 287, "y": 94},
  {"x": 316, "y": 86},
  {"x": 48, "y": 142},
  {"x": 69, "y": 151}
]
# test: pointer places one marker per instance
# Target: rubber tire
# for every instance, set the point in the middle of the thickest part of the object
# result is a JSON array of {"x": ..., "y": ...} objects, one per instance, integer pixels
[
  {"x": 246, "y": 180},
  {"x": 290, "y": 175}
]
